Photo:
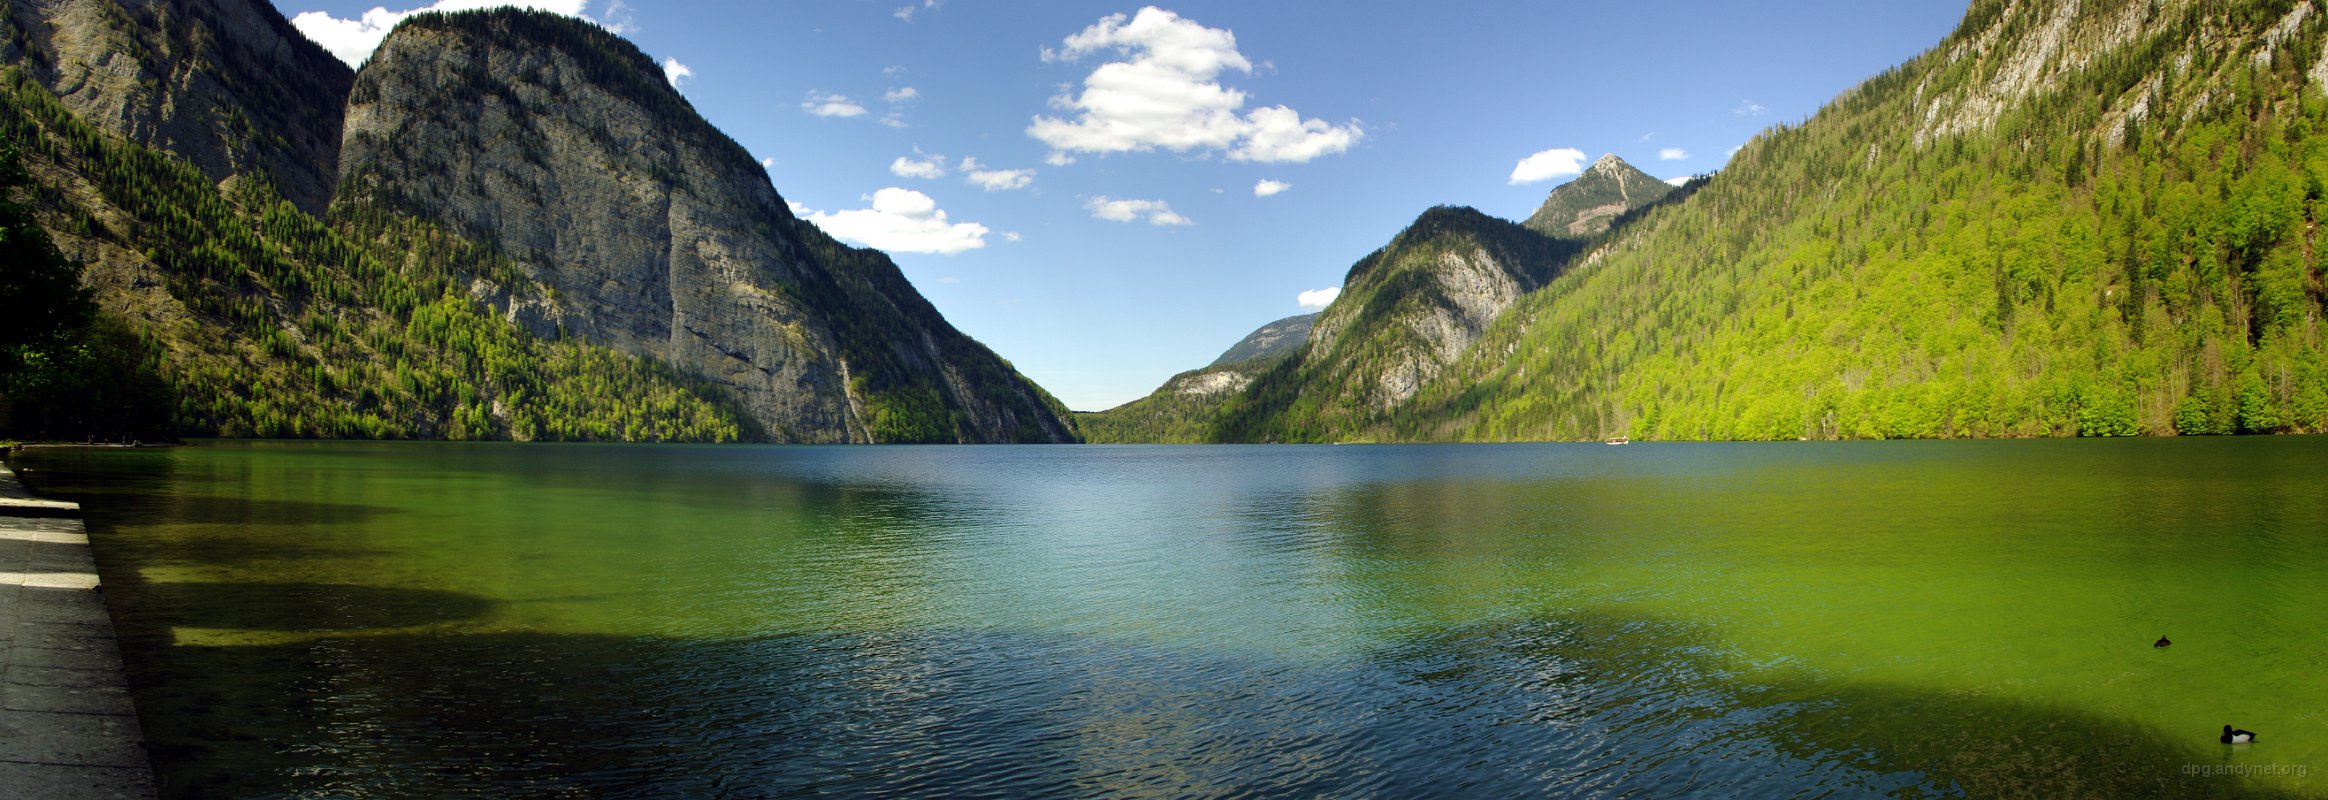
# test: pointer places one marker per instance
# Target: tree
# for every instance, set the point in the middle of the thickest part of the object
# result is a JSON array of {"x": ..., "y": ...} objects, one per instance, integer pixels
[{"x": 42, "y": 301}]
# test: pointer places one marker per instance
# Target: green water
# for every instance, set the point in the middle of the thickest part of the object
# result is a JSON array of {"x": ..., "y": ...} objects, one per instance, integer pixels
[{"x": 1770, "y": 619}]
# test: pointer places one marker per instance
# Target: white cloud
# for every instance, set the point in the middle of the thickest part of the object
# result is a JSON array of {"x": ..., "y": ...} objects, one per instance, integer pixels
[
  {"x": 1267, "y": 188},
  {"x": 894, "y": 120},
  {"x": 893, "y": 70},
  {"x": 768, "y": 162},
  {"x": 1680, "y": 179},
  {"x": 618, "y": 18},
  {"x": 996, "y": 180},
  {"x": 1167, "y": 95},
  {"x": 907, "y": 11},
  {"x": 1554, "y": 163},
  {"x": 831, "y": 105},
  {"x": 1672, "y": 154},
  {"x": 675, "y": 72},
  {"x": 1318, "y": 298},
  {"x": 1157, "y": 212},
  {"x": 1010, "y": 236},
  {"x": 900, "y": 221},
  {"x": 928, "y": 167},
  {"x": 1748, "y": 108},
  {"x": 900, "y": 95},
  {"x": 353, "y": 40},
  {"x": 1058, "y": 159}
]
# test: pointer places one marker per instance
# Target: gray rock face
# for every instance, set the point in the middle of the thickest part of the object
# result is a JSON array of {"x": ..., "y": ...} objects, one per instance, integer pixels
[
  {"x": 228, "y": 85},
  {"x": 1272, "y": 340},
  {"x": 655, "y": 234}
]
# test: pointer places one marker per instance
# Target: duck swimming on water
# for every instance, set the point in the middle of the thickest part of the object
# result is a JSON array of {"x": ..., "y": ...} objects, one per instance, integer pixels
[
  {"x": 2162, "y": 642},
  {"x": 2236, "y": 736}
]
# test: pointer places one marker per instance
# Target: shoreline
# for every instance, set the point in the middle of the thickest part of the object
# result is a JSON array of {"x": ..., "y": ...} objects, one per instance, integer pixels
[{"x": 68, "y": 726}]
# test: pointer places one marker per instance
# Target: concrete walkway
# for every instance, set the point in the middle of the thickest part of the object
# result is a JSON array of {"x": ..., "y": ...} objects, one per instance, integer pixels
[{"x": 67, "y": 727}]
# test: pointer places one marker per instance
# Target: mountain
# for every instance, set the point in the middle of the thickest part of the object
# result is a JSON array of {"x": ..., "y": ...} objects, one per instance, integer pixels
[
  {"x": 2069, "y": 218},
  {"x": 1586, "y": 205},
  {"x": 227, "y": 85},
  {"x": 651, "y": 232},
  {"x": 1270, "y": 341},
  {"x": 1185, "y": 409},
  {"x": 508, "y": 227},
  {"x": 1406, "y": 312}
]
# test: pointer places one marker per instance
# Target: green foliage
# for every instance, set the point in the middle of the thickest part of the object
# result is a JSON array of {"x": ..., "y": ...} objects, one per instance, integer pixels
[
  {"x": 362, "y": 327},
  {"x": 41, "y": 297},
  {"x": 2064, "y": 267},
  {"x": 1332, "y": 390}
]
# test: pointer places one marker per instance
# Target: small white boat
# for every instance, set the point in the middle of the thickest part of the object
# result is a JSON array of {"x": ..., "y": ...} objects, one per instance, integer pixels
[{"x": 1619, "y": 440}]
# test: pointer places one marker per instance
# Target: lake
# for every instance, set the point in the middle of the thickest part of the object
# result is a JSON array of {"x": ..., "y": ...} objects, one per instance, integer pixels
[{"x": 1914, "y": 618}]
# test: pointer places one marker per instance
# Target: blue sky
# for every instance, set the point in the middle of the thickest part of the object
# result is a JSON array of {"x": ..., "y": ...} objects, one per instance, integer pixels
[{"x": 1102, "y": 177}]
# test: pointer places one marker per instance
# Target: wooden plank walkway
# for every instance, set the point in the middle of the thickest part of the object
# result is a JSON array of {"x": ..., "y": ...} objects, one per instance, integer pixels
[{"x": 68, "y": 729}]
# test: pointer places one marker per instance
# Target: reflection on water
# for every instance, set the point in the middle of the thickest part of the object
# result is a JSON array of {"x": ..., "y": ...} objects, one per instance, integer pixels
[{"x": 1890, "y": 618}]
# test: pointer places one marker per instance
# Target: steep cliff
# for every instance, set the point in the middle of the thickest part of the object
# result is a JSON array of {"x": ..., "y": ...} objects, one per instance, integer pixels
[
  {"x": 227, "y": 85},
  {"x": 560, "y": 146}
]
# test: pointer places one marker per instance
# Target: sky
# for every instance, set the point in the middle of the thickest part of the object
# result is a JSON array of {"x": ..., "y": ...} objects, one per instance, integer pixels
[{"x": 1109, "y": 194}]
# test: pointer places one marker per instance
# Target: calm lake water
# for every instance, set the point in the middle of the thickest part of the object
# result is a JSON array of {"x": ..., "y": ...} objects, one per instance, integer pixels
[{"x": 1932, "y": 618}]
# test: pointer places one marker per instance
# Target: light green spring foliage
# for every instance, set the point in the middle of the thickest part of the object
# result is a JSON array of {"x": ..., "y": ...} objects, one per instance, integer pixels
[
  {"x": 361, "y": 327},
  {"x": 2036, "y": 277}
]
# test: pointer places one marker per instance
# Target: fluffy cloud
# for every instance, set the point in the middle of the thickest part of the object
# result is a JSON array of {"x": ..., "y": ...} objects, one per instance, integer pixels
[
  {"x": 1748, "y": 108},
  {"x": 996, "y": 180},
  {"x": 675, "y": 72},
  {"x": 1167, "y": 94},
  {"x": 900, "y": 95},
  {"x": 1157, "y": 212},
  {"x": 1677, "y": 181},
  {"x": 1315, "y": 299},
  {"x": 768, "y": 163},
  {"x": 353, "y": 40},
  {"x": 900, "y": 221},
  {"x": 1554, "y": 163},
  {"x": 1267, "y": 188},
  {"x": 831, "y": 105},
  {"x": 1672, "y": 154},
  {"x": 928, "y": 167}
]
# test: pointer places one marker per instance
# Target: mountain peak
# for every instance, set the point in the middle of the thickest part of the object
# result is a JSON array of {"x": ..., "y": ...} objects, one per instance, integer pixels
[{"x": 1587, "y": 205}]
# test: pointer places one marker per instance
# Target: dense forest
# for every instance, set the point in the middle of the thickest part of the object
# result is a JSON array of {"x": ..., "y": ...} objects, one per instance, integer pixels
[
  {"x": 361, "y": 326},
  {"x": 2129, "y": 246}
]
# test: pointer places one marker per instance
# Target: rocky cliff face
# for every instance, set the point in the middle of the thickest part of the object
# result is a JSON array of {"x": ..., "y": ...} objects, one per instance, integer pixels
[
  {"x": 1587, "y": 205},
  {"x": 1270, "y": 341},
  {"x": 560, "y": 145},
  {"x": 1406, "y": 312},
  {"x": 228, "y": 85}
]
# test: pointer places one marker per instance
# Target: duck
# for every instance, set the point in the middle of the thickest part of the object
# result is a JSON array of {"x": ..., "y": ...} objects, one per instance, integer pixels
[
  {"x": 2233, "y": 735},
  {"x": 2162, "y": 642}
]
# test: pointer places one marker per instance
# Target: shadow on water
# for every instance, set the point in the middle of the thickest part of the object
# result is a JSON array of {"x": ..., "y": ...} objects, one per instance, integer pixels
[
  {"x": 1604, "y": 705},
  {"x": 309, "y": 606}
]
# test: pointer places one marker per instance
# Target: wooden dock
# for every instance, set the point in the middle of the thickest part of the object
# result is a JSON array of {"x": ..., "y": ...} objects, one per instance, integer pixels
[{"x": 68, "y": 728}]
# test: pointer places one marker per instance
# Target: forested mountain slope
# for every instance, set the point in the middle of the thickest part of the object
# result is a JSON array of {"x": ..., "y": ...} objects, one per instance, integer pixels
[
  {"x": 1185, "y": 409},
  {"x": 2069, "y": 218},
  {"x": 189, "y": 164},
  {"x": 1589, "y": 204},
  {"x": 1406, "y": 312}
]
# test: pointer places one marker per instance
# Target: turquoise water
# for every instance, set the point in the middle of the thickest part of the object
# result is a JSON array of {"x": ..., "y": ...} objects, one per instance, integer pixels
[{"x": 1928, "y": 618}]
